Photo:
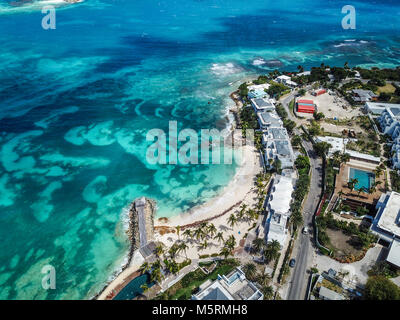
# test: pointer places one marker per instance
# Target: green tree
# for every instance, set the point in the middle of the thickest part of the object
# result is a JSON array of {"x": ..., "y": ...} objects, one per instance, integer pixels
[
  {"x": 381, "y": 288},
  {"x": 232, "y": 220},
  {"x": 220, "y": 237},
  {"x": 322, "y": 148},
  {"x": 250, "y": 270}
]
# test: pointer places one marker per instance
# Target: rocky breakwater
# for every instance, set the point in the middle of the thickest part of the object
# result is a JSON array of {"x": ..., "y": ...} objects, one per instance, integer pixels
[
  {"x": 141, "y": 223},
  {"x": 140, "y": 232}
]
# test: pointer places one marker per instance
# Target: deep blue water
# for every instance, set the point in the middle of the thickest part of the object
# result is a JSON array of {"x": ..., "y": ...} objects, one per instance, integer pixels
[{"x": 76, "y": 103}]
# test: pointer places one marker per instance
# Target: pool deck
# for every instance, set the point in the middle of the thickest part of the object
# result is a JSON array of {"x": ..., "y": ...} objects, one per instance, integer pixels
[{"x": 343, "y": 177}]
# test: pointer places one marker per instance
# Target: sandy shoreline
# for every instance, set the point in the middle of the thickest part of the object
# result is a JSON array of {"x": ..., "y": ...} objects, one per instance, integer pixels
[{"x": 234, "y": 192}]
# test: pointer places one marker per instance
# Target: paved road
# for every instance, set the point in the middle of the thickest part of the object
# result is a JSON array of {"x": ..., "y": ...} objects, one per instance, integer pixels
[{"x": 298, "y": 283}]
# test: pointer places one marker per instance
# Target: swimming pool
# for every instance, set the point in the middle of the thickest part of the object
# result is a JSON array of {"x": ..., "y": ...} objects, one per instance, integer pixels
[
  {"x": 365, "y": 178},
  {"x": 133, "y": 289}
]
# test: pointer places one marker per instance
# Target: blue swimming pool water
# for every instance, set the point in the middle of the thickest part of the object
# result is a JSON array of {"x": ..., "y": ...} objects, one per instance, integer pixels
[
  {"x": 133, "y": 289},
  {"x": 365, "y": 178}
]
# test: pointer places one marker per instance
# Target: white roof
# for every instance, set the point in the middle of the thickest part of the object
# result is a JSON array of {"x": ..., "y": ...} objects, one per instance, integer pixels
[
  {"x": 394, "y": 253},
  {"x": 379, "y": 107},
  {"x": 259, "y": 86},
  {"x": 364, "y": 156},
  {"x": 282, "y": 195},
  {"x": 338, "y": 144},
  {"x": 390, "y": 217},
  {"x": 305, "y": 73},
  {"x": 283, "y": 77}
]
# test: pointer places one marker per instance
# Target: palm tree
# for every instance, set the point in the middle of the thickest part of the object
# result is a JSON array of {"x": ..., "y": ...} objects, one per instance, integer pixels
[
  {"x": 231, "y": 242},
  {"x": 232, "y": 220},
  {"x": 225, "y": 252},
  {"x": 296, "y": 219},
  {"x": 173, "y": 251},
  {"x": 352, "y": 183},
  {"x": 263, "y": 279},
  {"x": 268, "y": 292},
  {"x": 187, "y": 233},
  {"x": 183, "y": 247},
  {"x": 258, "y": 244},
  {"x": 178, "y": 230},
  {"x": 204, "y": 225},
  {"x": 345, "y": 158},
  {"x": 198, "y": 233},
  {"x": 156, "y": 275},
  {"x": 340, "y": 194},
  {"x": 212, "y": 229},
  {"x": 250, "y": 270},
  {"x": 204, "y": 245},
  {"x": 272, "y": 250},
  {"x": 159, "y": 250},
  {"x": 220, "y": 237},
  {"x": 145, "y": 267}
]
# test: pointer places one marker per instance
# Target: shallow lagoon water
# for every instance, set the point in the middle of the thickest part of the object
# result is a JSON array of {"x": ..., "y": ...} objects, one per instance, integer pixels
[{"x": 76, "y": 104}]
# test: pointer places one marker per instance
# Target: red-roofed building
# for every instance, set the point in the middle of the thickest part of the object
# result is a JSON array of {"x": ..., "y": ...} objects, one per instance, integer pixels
[{"x": 305, "y": 108}]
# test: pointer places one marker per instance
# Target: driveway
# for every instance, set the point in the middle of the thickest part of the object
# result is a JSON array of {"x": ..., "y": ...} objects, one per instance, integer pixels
[{"x": 357, "y": 270}]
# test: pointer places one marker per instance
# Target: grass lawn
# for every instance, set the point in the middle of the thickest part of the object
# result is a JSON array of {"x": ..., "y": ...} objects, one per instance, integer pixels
[
  {"x": 183, "y": 289},
  {"x": 388, "y": 88}
]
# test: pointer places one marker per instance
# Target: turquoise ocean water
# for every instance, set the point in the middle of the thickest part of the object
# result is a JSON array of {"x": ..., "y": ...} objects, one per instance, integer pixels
[{"x": 77, "y": 102}]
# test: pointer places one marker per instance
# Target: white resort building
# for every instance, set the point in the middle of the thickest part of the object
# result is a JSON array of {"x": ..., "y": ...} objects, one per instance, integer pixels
[
  {"x": 269, "y": 119},
  {"x": 286, "y": 80},
  {"x": 262, "y": 104},
  {"x": 258, "y": 91},
  {"x": 386, "y": 224},
  {"x": 233, "y": 286},
  {"x": 278, "y": 147},
  {"x": 278, "y": 208},
  {"x": 390, "y": 125},
  {"x": 378, "y": 107}
]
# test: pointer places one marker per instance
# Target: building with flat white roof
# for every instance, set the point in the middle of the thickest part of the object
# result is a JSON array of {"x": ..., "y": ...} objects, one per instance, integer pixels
[
  {"x": 394, "y": 253},
  {"x": 286, "y": 80},
  {"x": 262, "y": 104},
  {"x": 233, "y": 286},
  {"x": 278, "y": 146},
  {"x": 378, "y": 107},
  {"x": 337, "y": 144},
  {"x": 278, "y": 208},
  {"x": 268, "y": 119},
  {"x": 386, "y": 224},
  {"x": 363, "y": 157},
  {"x": 258, "y": 91}
]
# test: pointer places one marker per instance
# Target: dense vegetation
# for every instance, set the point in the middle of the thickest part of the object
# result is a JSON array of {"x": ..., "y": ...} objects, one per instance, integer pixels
[{"x": 381, "y": 288}]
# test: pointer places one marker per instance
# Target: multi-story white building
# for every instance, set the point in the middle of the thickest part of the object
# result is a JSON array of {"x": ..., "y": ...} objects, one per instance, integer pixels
[
  {"x": 278, "y": 147},
  {"x": 390, "y": 125},
  {"x": 262, "y": 104},
  {"x": 258, "y": 91},
  {"x": 386, "y": 224},
  {"x": 278, "y": 208},
  {"x": 269, "y": 119},
  {"x": 233, "y": 286}
]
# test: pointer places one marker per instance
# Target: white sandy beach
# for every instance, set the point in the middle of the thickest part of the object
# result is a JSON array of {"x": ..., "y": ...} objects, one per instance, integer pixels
[{"x": 240, "y": 190}]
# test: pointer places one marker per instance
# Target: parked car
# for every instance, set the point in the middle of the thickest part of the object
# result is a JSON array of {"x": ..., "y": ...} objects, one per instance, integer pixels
[
  {"x": 292, "y": 263},
  {"x": 305, "y": 230}
]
